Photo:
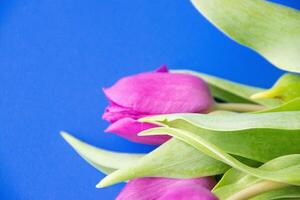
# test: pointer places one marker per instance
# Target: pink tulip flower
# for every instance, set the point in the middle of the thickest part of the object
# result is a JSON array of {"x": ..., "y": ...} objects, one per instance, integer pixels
[
  {"x": 149, "y": 94},
  {"x": 168, "y": 189}
]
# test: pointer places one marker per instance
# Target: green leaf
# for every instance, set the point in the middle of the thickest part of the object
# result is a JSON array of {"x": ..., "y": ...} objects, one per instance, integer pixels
[
  {"x": 235, "y": 183},
  {"x": 293, "y": 105},
  {"x": 232, "y": 176},
  {"x": 238, "y": 184},
  {"x": 103, "y": 160},
  {"x": 287, "y": 88},
  {"x": 243, "y": 139},
  {"x": 292, "y": 192},
  {"x": 268, "y": 28},
  {"x": 173, "y": 159},
  {"x": 289, "y": 174},
  {"x": 228, "y": 122},
  {"x": 231, "y": 91}
]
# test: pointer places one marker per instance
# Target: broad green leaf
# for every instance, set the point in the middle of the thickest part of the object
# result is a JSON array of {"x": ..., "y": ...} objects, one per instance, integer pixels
[
  {"x": 103, "y": 160},
  {"x": 231, "y": 91},
  {"x": 268, "y": 28},
  {"x": 289, "y": 174},
  {"x": 292, "y": 192},
  {"x": 293, "y": 105},
  {"x": 173, "y": 159},
  {"x": 236, "y": 183},
  {"x": 252, "y": 142},
  {"x": 287, "y": 88},
  {"x": 228, "y": 122}
]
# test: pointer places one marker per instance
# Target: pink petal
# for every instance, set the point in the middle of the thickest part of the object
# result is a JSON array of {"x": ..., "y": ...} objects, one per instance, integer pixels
[
  {"x": 129, "y": 128},
  {"x": 187, "y": 192},
  {"x": 162, "y": 68},
  {"x": 168, "y": 189},
  {"x": 115, "y": 112},
  {"x": 161, "y": 93}
]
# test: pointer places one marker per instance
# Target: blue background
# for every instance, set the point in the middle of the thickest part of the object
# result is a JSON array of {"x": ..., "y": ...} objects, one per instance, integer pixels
[{"x": 56, "y": 55}]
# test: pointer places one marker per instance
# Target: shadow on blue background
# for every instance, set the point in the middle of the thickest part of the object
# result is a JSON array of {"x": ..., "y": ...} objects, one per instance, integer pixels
[{"x": 55, "y": 56}]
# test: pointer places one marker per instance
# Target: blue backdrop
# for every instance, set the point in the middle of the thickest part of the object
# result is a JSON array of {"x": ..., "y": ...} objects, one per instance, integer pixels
[{"x": 56, "y": 55}]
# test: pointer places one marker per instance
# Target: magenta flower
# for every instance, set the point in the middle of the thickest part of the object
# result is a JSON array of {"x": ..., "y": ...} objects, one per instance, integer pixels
[
  {"x": 168, "y": 189},
  {"x": 149, "y": 94}
]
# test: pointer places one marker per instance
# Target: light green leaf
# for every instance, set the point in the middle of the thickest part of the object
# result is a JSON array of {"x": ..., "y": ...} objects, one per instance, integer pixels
[
  {"x": 293, "y": 105},
  {"x": 268, "y": 28},
  {"x": 103, "y": 160},
  {"x": 242, "y": 139},
  {"x": 286, "y": 89},
  {"x": 232, "y": 176},
  {"x": 289, "y": 174},
  {"x": 231, "y": 91},
  {"x": 292, "y": 192},
  {"x": 220, "y": 122},
  {"x": 173, "y": 159},
  {"x": 238, "y": 185}
]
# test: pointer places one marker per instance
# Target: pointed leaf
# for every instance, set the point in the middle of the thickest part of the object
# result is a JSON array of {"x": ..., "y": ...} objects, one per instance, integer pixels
[
  {"x": 103, "y": 160},
  {"x": 268, "y": 28},
  {"x": 173, "y": 159}
]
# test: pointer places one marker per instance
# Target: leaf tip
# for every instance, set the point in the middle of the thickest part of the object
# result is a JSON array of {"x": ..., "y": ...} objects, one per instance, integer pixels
[
  {"x": 263, "y": 95},
  {"x": 72, "y": 141},
  {"x": 145, "y": 119},
  {"x": 152, "y": 131},
  {"x": 66, "y": 136},
  {"x": 99, "y": 185},
  {"x": 105, "y": 182},
  {"x": 156, "y": 120},
  {"x": 143, "y": 133}
]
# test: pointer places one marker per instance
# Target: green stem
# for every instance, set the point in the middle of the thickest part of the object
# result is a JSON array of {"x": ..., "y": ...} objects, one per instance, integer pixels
[
  {"x": 238, "y": 107},
  {"x": 257, "y": 189}
]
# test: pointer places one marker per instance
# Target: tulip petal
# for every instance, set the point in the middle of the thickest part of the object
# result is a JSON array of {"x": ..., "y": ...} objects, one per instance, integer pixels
[
  {"x": 187, "y": 192},
  {"x": 129, "y": 128},
  {"x": 162, "y": 68},
  {"x": 168, "y": 189},
  {"x": 161, "y": 93},
  {"x": 114, "y": 112}
]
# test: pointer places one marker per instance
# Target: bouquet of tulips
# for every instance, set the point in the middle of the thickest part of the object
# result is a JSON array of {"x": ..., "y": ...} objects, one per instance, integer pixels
[{"x": 217, "y": 139}]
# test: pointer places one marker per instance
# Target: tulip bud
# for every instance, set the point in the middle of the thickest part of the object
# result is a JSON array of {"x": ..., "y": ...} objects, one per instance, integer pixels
[{"x": 153, "y": 93}]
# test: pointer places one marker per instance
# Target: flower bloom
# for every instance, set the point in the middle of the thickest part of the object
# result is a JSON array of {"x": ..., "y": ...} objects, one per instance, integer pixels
[
  {"x": 153, "y": 93},
  {"x": 168, "y": 189}
]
